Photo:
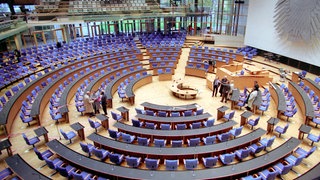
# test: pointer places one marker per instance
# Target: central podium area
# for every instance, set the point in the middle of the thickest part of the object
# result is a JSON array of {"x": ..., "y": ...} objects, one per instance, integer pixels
[{"x": 183, "y": 90}]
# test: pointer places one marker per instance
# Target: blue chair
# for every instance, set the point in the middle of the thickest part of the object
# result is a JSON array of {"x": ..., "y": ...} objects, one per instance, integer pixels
[
  {"x": 209, "y": 161},
  {"x": 242, "y": 153},
  {"x": 116, "y": 116},
  {"x": 165, "y": 126},
  {"x": 66, "y": 170},
  {"x": 43, "y": 155},
  {"x": 160, "y": 142},
  {"x": 181, "y": 126},
  {"x": 30, "y": 141},
  {"x": 175, "y": 114},
  {"x": 198, "y": 112},
  {"x": 5, "y": 173},
  {"x": 25, "y": 119},
  {"x": 282, "y": 130},
  {"x": 116, "y": 158},
  {"x": 256, "y": 148},
  {"x": 289, "y": 114},
  {"x": 295, "y": 161},
  {"x": 176, "y": 143},
  {"x": 195, "y": 125},
  {"x": 162, "y": 114},
  {"x": 68, "y": 136},
  {"x": 252, "y": 177},
  {"x": 171, "y": 164},
  {"x": 209, "y": 139},
  {"x": 190, "y": 164},
  {"x": 229, "y": 116},
  {"x": 53, "y": 164},
  {"x": 209, "y": 122},
  {"x": 316, "y": 120},
  {"x": 94, "y": 124},
  {"x": 283, "y": 167},
  {"x": 87, "y": 148},
  {"x": 267, "y": 142},
  {"x": 150, "y": 112},
  {"x": 140, "y": 111},
  {"x": 227, "y": 158},
  {"x": 127, "y": 138},
  {"x": 102, "y": 154},
  {"x": 305, "y": 153},
  {"x": 81, "y": 175},
  {"x": 152, "y": 163},
  {"x": 313, "y": 138},
  {"x": 143, "y": 141},
  {"x": 150, "y": 125},
  {"x": 264, "y": 108},
  {"x": 133, "y": 161},
  {"x": 254, "y": 122},
  {"x": 114, "y": 134},
  {"x": 268, "y": 174},
  {"x": 236, "y": 131},
  {"x": 187, "y": 113},
  {"x": 224, "y": 136},
  {"x": 193, "y": 141},
  {"x": 136, "y": 123}
]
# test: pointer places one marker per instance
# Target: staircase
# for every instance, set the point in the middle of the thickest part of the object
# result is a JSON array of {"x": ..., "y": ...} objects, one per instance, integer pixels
[{"x": 192, "y": 42}]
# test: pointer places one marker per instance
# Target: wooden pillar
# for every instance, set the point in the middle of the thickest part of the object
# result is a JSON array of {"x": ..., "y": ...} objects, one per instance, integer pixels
[{"x": 18, "y": 42}]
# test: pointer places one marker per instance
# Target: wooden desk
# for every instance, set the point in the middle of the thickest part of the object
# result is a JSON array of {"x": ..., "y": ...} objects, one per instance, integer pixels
[
  {"x": 279, "y": 98},
  {"x": 135, "y": 84},
  {"x": 312, "y": 173},
  {"x": 124, "y": 112},
  {"x": 175, "y": 134},
  {"x": 271, "y": 122},
  {"x": 221, "y": 112},
  {"x": 295, "y": 77},
  {"x": 42, "y": 131},
  {"x": 22, "y": 169},
  {"x": 79, "y": 128},
  {"x": 197, "y": 72},
  {"x": 169, "y": 109},
  {"x": 303, "y": 101},
  {"x": 104, "y": 120},
  {"x": 304, "y": 129},
  {"x": 6, "y": 144},
  {"x": 183, "y": 90},
  {"x": 234, "y": 97},
  {"x": 244, "y": 117}
]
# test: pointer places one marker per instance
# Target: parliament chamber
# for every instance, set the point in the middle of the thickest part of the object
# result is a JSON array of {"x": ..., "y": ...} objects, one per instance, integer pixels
[{"x": 157, "y": 73}]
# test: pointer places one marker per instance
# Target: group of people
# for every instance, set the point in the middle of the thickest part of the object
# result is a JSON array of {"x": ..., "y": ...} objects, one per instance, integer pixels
[
  {"x": 93, "y": 102},
  {"x": 226, "y": 88}
]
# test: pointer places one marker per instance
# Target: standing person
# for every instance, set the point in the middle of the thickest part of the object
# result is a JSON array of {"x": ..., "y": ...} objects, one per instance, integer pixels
[
  {"x": 216, "y": 84},
  {"x": 225, "y": 92},
  {"x": 223, "y": 82},
  {"x": 87, "y": 103},
  {"x": 17, "y": 54},
  {"x": 96, "y": 102},
  {"x": 104, "y": 103},
  {"x": 231, "y": 89},
  {"x": 252, "y": 97}
]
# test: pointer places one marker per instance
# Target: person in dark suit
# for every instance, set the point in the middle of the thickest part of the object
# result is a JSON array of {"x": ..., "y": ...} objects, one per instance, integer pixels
[
  {"x": 223, "y": 82},
  {"x": 225, "y": 92},
  {"x": 216, "y": 84},
  {"x": 104, "y": 103}
]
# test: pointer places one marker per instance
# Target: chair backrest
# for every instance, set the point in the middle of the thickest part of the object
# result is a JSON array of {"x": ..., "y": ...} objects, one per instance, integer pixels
[
  {"x": 115, "y": 158},
  {"x": 38, "y": 153},
  {"x": 99, "y": 153},
  {"x": 139, "y": 111},
  {"x": 228, "y": 158},
  {"x": 135, "y": 123},
  {"x": 162, "y": 113},
  {"x": 171, "y": 164},
  {"x": 181, "y": 126},
  {"x": 143, "y": 141},
  {"x": 311, "y": 151},
  {"x": 188, "y": 113},
  {"x": 150, "y": 125},
  {"x": 210, "y": 139},
  {"x": 113, "y": 133},
  {"x": 91, "y": 123},
  {"x": 196, "y": 125},
  {"x": 210, "y": 161},
  {"x": 245, "y": 152},
  {"x": 176, "y": 143},
  {"x": 152, "y": 163},
  {"x": 114, "y": 115},
  {"x": 256, "y": 121},
  {"x": 191, "y": 163},
  {"x": 133, "y": 161},
  {"x": 194, "y": 141},
  {"x": 84, "y": 147},
  {"x": 270, "y": 141},
  {"x": 199, "y": 111},
  {"x": 285, "y": 128},
  {"x": 64, "y": 134},
  {"x": 209, "y": 122},
  {"x": 149, "y": 112},
  {"x": 25, "y": 138},
  {"x": 159, "y": 142},
  {"x": 126, "y": 137},
  {"x": 238, "y": 131},
  {"x": 165, "y": 126},
  {"x": 175, "y": 114}
]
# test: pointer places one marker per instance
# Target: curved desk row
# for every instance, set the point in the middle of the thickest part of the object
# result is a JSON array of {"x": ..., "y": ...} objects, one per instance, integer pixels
[
  {"x": 235, "y": 171},
  {"x": 135, "y": 84},
  {"x": 312, "y": 173},
  {"x": 239, "y": 57},
  {"x": 194, "y": 71},
  {"x": 313, "y": 85},
  {"x": 175, "y": 134},
  {"x": 9, "y": 113},
  {"x": 278, "y": 97},
  {"x": 173, "y": 120},
  {"x": 169, "y": 109},
  {"x": 22, "y": 169},
  {"x": 112, "y": 87},
  {"x": 303, "y": 101},
  {"x": 176, "y": 152},
  {"x": 218, "y": 62},
  {"x": 156, "y": 64}
]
